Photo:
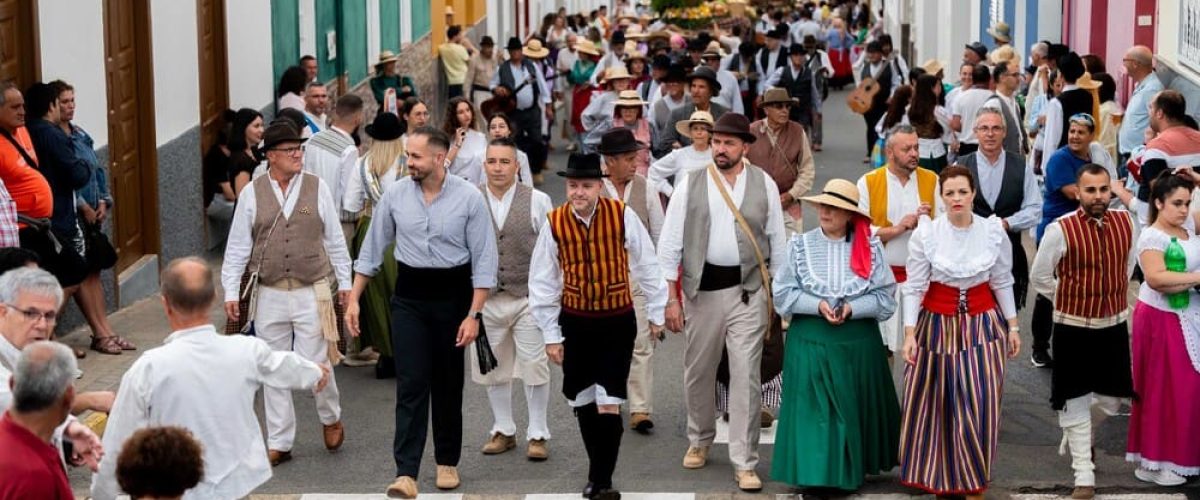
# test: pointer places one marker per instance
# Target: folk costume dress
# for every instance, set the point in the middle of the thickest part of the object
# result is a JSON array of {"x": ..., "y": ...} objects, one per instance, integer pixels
[
  {"x": 1166, "y": 371},
  {"x": 840, "y": 419},
  {"x": 958, "y": 296},
  {"x": 363, "y": 190}
]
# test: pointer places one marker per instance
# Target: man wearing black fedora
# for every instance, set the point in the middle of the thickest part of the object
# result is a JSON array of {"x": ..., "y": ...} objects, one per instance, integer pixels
[
  {"x": 587, "y": 259},
  {"x": 620, "y": 151},
  {"x": 291, "y": 293},
  {"x": 724, "y": 229},
  {"x": 703, "y": 85},
  {"x": 532, "y": 101}
]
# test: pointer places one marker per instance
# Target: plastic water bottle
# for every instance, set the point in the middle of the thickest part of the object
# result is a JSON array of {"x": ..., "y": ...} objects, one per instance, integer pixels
[{"x": 1176, "y": 261}]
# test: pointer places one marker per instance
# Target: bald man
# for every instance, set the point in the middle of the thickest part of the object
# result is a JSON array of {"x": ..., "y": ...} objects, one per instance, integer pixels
[
  {"x": 175, "y": 384},
  {"x": 1139, "y": 65}
]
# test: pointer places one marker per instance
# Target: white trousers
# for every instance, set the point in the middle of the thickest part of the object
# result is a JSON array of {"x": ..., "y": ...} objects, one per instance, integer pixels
[
  {"x": 287, "y": 321},
  {"x": 1078, "y": 418},
  {"x": 520, "y": 353},
  {"x": 641, "y": 371}
]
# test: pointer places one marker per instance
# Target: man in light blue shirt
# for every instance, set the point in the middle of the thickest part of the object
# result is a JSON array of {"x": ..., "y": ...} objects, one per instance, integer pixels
[{"x": 1139, "y": 64}]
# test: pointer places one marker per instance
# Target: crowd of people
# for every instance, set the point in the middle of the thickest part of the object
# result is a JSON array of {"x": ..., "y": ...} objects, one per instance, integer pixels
[{"x": 427, "y": 251}]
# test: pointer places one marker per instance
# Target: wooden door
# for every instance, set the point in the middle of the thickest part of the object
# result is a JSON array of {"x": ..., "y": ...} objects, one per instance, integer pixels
[
  {"x": 131, "y": 146},
  {"x": 214, "y": 70},
  {"x": 18, "y": 46}
]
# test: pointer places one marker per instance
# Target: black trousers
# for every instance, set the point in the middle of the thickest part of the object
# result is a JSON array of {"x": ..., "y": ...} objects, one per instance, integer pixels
[
  {"x": 872, "y": 117},
  {"x": 429, "y": 369},
  {"x": 529, "y": 135},
  {"x": 1043, "y": 322},
  {"x": 453, "y": 91},
  {"x": 1090, "y": 360}
]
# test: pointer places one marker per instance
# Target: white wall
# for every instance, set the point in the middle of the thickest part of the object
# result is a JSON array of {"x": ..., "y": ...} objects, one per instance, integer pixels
[
  {"x": 248, "y": 35},
  {"x": 941, "y": 28},
  {"x": 176, "y": 68},
  {"x": 62, "y": 25},
  {"x": 308, "y": 29}
]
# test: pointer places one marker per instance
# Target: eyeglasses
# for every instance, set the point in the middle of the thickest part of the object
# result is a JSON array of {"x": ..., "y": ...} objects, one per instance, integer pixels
[
  {"x": 995, "y": 129},
  {"x": 32, "y": 315},
  {"x": 292, "y": 151}
]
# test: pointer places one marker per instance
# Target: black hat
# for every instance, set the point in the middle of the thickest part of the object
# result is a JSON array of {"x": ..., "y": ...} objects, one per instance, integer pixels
[
  {"x": 747, "y": 49},
  {"x": 979, "y": 49},
  {"x": 661, "y": 62},
  {"x": 280, "y": 132},
  {"x": 734, "y": 124},
  {"x": 618, "y": 37},
  {"x": 619, "y": 140},
  {"x": 795, "y": 49},
  {"x": 779, "y": 32},
  {"x": 676, "y": 73},
  {"x": 583, "y": 166},
  {"x": 487, "y": 41},
  {"x": 386, "y": 127},
  {"x": 810, "y": 41},
  {"x": 706, "y": 73},
  {"x": 513, "y": 44}
]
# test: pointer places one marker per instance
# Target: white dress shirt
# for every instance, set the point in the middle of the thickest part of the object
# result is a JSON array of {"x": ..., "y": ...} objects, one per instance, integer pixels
[
  {"x": 317, "y": 121},
  {"x": 334, "y": 170},
  {"x": 966, "y": 105},
  {"x": 206, "y": 383},
  {"x": 722, "y": 226},
  {"x": 1052, "y": 129},
  {"x": 525, "y": 94},
  {"x": 468, "y": 163},
  {"x": 9, "y": 355},
  {"x": 961, "y": 258},
  {"x": 676, "y": 163},
  {"x": 546, "y": 280},
  {"x": 241, "y": 240},
  {"x": 1043, "y": 274},
  {"x": 654, "y": 209},
  {"x": 540, "y": 206},
  {"x": 903, "y": 199},
  {"x": 991, "y": 179},
  {"x": 292, "y": 100},
  {"x": 730, "y": 96}
]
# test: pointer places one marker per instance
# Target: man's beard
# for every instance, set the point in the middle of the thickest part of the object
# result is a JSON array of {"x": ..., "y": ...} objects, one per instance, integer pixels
[
  {"x": 1097, "y": 210},
  {"x": 728, "y": 165}
]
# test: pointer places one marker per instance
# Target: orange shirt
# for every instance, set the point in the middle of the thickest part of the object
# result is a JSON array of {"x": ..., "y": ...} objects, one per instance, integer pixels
[{"x": 26, "y": 185}]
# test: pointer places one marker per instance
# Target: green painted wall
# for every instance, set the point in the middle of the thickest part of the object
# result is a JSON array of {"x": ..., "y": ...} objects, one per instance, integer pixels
[
  {"x": 352, "y": 38},
  {"x": 327, "y": 16},
  {"x": 389, "y": 25},
  {"x": 285, "y": 35},
  {"x": 420, "y": 18}
]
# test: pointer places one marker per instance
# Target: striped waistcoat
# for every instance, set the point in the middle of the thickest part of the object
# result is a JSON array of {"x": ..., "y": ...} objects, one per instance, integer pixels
[
  {"x": 1092, "y": 276},
  {"x": 594, "y": 262}
]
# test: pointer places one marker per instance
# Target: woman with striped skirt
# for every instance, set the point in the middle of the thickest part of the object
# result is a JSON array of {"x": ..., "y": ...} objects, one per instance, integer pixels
[{"x": 960, "y": 321}]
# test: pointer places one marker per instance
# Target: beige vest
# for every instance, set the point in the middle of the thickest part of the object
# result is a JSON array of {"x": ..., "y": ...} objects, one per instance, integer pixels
[
  {"x": 294, "y": 249},
  {"x": 637, "y": 199},
  {"x": 514, "y": 242},
  {"x": 696, "y": 229}
]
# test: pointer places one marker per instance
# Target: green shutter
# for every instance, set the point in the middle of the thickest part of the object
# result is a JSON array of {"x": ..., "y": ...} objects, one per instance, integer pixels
[
  {"x": 352, "y": 39},
  {"x": 389, "y": 25},
  {"x": 285, "y": 36},
  {"x": 327, "y": 14},
  {"x": 420, "y": 19}
]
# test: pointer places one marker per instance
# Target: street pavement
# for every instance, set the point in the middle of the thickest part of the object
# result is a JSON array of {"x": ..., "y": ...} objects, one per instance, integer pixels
[{"x": 1027, "y": 465}]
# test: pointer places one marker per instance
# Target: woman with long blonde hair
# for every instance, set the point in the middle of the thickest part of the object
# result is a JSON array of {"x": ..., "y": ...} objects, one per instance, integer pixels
[{"x": 382, "y": 165}]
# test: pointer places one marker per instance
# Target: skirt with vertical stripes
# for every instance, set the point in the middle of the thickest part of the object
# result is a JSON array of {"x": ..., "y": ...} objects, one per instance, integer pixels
[{"x": 951, "y": 410}]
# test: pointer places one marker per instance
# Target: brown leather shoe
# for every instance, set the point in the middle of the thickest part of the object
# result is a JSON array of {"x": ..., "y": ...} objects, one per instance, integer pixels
[
  {"x": 335, "y": 434},
  {"x": 402, "y": 487},
  {"x": 537, "y": 450},
  {"x": 277, "y": 457},
  {"x": 1084, "y": 492},
  {"x": 447, "y": 477},
  {"x": 499, "y": 443},
  {"x": 641, "y": 422},
  {"x": 747, "y": 480},
  {"x": 765, "y": 419}
]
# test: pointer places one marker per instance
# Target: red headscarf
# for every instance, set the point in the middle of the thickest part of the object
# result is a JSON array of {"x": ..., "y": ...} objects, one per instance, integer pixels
[{"x": 860, "y": 247}]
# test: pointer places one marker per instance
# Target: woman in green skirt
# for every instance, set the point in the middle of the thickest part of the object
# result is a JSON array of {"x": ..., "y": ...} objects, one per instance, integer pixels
[
  {"x": 840, "y": 419},
  {"x": 374, "y": 172}
]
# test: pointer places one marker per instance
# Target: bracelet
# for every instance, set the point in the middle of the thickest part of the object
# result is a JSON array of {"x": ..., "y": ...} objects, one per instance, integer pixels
[{"x": 1014, "y": 329}]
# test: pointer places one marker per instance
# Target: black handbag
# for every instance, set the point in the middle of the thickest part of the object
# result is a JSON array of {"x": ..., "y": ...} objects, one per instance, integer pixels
[{"x": 100, "y": 251}]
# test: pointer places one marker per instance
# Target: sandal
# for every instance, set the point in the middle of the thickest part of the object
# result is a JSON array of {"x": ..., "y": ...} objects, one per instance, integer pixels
[
  {"x": 106, "y": 345},
  {"x": 125, "y": 344}
]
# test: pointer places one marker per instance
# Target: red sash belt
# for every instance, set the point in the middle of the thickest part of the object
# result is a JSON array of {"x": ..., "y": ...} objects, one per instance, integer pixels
[
  {"x": 948, "y": 300},
  {"x": 901, "y": 273}
]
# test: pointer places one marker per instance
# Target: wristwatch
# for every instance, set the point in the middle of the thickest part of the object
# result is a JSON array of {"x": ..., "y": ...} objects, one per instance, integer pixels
[{"x": 478, "y": 315}]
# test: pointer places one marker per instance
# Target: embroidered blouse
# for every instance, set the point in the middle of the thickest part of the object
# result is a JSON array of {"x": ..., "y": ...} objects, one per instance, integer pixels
[
  {"x": 818, "y": 268},
  {"x": 961, "y": 258}
]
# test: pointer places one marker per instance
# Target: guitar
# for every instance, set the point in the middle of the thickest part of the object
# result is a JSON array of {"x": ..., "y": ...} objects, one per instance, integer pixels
[{"x": 860, "y": 98}]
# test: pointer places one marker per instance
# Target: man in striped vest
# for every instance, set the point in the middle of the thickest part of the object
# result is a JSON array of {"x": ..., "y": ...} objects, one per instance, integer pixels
[
  {"x": 580, "y": 282},
  {"x": 518, "y": 212},
  {"x": 897, "y": 195},
  {"x": 724, "y": 253},
  {"x": 620, "y": 150},
  {"x": 1083, "y": 265}
]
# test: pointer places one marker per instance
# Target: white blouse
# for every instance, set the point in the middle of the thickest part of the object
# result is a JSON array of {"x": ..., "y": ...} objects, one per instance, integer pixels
[
  {"x": 363, "y": 186},
  {"x": 468, "y": 163},
  {"x": 676, "y": 163},
  {"x": 1153, "y": 239},
  {"x": 961, "y": 258}
]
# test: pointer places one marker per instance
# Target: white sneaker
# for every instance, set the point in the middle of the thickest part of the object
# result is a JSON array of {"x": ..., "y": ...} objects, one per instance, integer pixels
[{"x": 1160, "y": 477}]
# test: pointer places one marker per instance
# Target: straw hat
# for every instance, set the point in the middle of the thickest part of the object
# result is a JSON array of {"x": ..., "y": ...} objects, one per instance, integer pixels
[
  {"x": 776, "y": 95},
  {"x": 629, "y": 98},
  {"x": 1000, "y": 32},
  {"x": 715, "y": 46},
  {"x": 838, "y": 193},
  {"x": 449, "y": 10},
  {"x": 587, "y": 47},
  {"x": 1086, "y": 82},
  {"x": 534, "y": 49},
  {"x": 630, "y": 55},
  {"x": 615, "y": 73},
  {"x": 1002, "y": 55},
  {"x": 685, "y": 126},
  {"x": 933, "y": 66},
  {"x": 386, "y": 56}
]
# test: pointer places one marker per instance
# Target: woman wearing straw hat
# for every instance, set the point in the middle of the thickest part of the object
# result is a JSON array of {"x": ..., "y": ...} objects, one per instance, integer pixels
[
  {"x": 635, "y": 62},
  {"x": 629, "y": 111},
  {"x": 374, "y": 172},
  {"x": 581, "y": 78},
  {"x": 837, "y": 286},
  {"x": 616, "y": 79},
  {"x": 386, "y": 79},
  {"x": 695, "y": 156}
]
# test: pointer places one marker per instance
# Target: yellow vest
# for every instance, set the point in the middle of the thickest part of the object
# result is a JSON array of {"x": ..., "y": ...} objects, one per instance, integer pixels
[{"x": 877, "y": 189}]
